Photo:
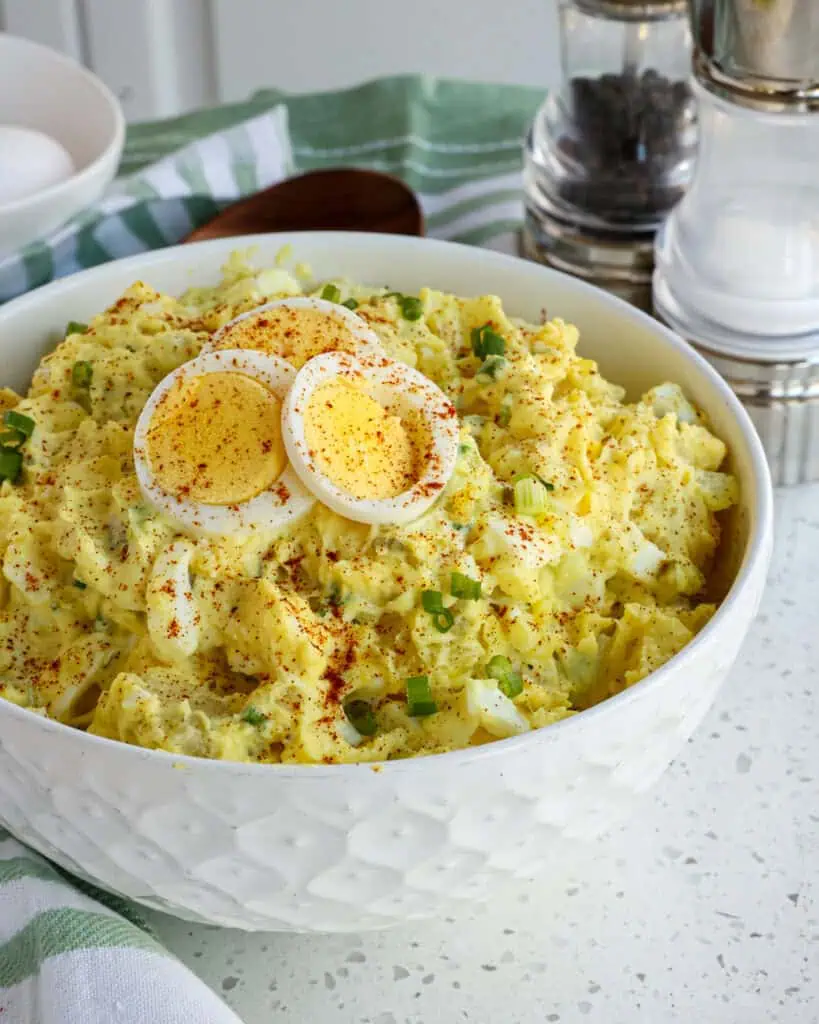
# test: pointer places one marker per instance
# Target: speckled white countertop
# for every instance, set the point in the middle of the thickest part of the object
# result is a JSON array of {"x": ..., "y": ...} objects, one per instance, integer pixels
[{"x": 704, "y": 908}]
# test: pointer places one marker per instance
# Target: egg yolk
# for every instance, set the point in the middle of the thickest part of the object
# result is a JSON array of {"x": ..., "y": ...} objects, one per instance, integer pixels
[
  {"x": 217, "y": 439},
  {"x": 292, "y": 334},
  {"x": 357, "y": 444}
]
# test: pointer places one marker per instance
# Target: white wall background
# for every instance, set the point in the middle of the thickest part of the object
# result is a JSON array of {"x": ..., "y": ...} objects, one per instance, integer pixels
[{"x": 163, "y": 57}]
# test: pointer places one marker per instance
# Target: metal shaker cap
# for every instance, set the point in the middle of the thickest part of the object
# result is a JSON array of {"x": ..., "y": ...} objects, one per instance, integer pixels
[
  {"x": 630, "y": 10},
  {"x": 760, "y": 53}
]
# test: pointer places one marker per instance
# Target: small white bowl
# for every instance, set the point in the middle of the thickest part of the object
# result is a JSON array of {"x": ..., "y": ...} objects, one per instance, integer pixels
[
  {"x": 293, "y": 847},
  {"x": 45, "y": 90}
]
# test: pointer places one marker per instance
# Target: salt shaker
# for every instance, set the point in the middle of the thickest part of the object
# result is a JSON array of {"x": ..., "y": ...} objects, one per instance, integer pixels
[
  {"x": 612, "y": 150},
  {"x": 737, "y": 260}
]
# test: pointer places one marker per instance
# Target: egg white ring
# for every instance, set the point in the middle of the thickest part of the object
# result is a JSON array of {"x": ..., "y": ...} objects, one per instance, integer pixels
[
  {"x": 284, "y": 502},
  {"x": 365, "y": 337},
  {"x": 399, "y": 389}
]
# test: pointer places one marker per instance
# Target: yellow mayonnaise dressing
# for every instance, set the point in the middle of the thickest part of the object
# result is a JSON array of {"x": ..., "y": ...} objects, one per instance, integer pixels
[
  {"x": 217, "y": 439},
  {"x": 357, "y": 444},
  {"x": 252, "y": 647},
  {"x": 292, "y": 334}
]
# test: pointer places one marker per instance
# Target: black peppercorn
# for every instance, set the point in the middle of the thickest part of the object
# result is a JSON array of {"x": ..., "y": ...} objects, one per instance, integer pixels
[{"x": 625, "y": 136}]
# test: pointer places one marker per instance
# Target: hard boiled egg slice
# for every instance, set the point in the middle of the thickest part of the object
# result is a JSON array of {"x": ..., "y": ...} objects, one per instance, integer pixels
[
  {"x": 208, "y": 446},
  {"x": 297, "y": 330},
  {"x": 373, "y": 439}
]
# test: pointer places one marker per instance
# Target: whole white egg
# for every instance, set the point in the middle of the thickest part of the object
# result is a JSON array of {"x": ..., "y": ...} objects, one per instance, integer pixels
[{"x": 30, "y": 161}]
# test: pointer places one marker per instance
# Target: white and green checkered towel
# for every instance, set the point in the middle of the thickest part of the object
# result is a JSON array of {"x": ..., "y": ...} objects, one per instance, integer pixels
[
  {"x": 68, "y": 954},
  {"x": 457, "y": 145},
  {"x": 68, "y": 958}
]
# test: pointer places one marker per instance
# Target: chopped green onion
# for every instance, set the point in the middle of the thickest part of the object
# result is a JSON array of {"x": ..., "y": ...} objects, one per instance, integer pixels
[
  {"x": 505, "y": 413},
  {"x": 20, "y": 430},
  {"x": 330, "y": 293},
  {"x": 17, "y": 421},
  {"x": 419, "y": 697},
  {"x": 531, "y": 497},
  {"x": 350, "y": 304},
  {"x": 486, "y": 342},
  {"x": 491, "y": 367},
  {"x": 252, "y": 715},
  {"x": 360, "y": 716},
  {"x": 75, "y": 327},
  {"x": 79, "y": 584},
  {"x": 533, "y": 476},
  {"x": 493, "y": 344},
  {"x": 411, "y": 307},
  {"x": 509, "y": 681},
  {"x": 442, "y": 618},
  {"x": 81, "y": 374},
  {"x": 11, "y": 462},
  {"x": 464, "y": 587}
]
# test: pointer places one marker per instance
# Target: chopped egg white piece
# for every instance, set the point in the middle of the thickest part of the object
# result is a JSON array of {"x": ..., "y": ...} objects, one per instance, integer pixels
[
  {"x": 348, "y": 732},
  {"x": 493, "y": 709},
  {"x": 512, "y": 535},
  {"x": 173, "y": 619},
  {"x": 645, "y": 557},
  {"x": 669, "y": 398},
  {"x": 580, "y": 533}
]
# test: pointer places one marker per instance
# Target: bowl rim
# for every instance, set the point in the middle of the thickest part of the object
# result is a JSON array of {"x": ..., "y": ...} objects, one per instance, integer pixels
[
  {"x": 755, "y": 558},
  {"x": 114, "y": 144}
]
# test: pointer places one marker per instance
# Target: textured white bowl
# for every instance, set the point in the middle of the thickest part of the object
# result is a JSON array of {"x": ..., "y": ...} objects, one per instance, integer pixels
[
  {"x": 42, "y": 89},
  {"x": 342, "y": 848}
]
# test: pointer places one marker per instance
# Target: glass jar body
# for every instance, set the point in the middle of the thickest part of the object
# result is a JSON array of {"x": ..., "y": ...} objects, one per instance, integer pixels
[
  {"x": 612, "y": 149},
  {"x": 742, "y": 248}
]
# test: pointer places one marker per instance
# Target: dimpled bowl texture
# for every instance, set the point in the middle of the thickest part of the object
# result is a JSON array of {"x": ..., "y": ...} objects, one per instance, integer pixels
[{"x": 344, "y": 848}]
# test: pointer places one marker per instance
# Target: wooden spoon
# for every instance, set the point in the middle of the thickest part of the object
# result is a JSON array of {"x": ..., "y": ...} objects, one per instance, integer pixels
[{"x": 340, "y": 199}]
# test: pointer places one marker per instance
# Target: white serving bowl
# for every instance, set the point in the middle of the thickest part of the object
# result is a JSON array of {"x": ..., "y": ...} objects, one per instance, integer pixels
[
  {"x": 343, "y": 848},
  {"x": 43, "y": 89}
]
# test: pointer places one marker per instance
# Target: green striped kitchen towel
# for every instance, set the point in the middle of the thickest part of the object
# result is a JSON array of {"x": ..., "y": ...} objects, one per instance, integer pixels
[
  {"x": 68, "y": 955},
  {"x": 457, "y": 144},
  {"x": 66, "y": 958}
]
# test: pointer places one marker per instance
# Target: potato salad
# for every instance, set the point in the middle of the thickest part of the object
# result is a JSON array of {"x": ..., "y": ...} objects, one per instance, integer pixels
[{"x": 276, "y": 520}]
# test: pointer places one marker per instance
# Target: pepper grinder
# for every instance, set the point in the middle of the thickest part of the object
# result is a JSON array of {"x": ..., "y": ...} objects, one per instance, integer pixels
[
  {"x": 612, "y": 150},
  {"x": 737, "y": 262}
]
